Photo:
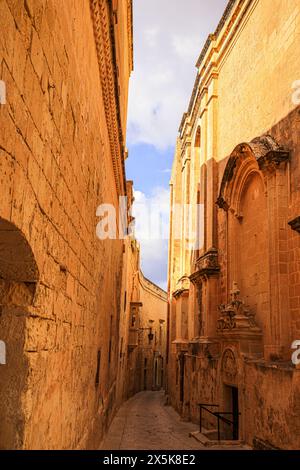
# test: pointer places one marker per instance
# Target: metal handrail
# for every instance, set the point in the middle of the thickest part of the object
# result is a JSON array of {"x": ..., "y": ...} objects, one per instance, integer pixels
[
  {"x": 227, "y": 421},
  {"x": 203, "y": 407},
  {"x": 218, "y": 415}
]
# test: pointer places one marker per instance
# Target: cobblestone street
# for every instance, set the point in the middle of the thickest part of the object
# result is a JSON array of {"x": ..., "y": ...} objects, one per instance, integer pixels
[{"x": 145, "y": 423}]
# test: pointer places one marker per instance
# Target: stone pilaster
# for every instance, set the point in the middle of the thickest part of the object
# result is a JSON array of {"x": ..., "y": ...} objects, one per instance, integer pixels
[{"x": 274, "y": 168}]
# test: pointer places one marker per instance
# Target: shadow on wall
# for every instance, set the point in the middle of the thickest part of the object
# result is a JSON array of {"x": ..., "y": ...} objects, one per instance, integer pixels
[{"x": 18, "y": 281}]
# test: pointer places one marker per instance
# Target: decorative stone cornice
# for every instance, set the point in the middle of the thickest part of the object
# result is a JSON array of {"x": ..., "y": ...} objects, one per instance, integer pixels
[
  {"x": 212, "y": 37},
  {"x": 130, "y": 33},
  {"x": 295, "y": 224},
  {"x": 182, "y": 287},
  {"x": 214, "y": 43},
  {"x": 102, "y": 16},
  {"x": 265, "y": 152},
  {"x": 207, "y": 265},
  {"x": 273, "y": 159},
  {"x": 179, "y": 292},
  {"x": 196, "y": 278},
  {"x": 152, "y": 288}
]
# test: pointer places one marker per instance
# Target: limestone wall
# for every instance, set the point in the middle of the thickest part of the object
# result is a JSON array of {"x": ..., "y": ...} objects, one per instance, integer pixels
[
  {"x": 243, "y": 90},
  {"x": 256, "y": 73},
  {"x": 60, "y": 157},
  {"x": 127, "y": 366},
  {"x": 272, "y": 397}
]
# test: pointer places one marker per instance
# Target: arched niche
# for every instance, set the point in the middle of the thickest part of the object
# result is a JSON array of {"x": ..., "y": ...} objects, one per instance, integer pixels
[
  {"x": 254, "y": 195},
  {"x": 18, "y": 280},
  {"x": 243, "y": 195},
  {"x": 198, "y": 190},
  {"x": 197, "y": 141}
]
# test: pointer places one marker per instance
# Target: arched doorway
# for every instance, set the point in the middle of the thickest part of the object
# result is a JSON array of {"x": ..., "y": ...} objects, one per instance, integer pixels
[
  {"x": 18, "y": 280},
  {"x": 230, "y": 394}
]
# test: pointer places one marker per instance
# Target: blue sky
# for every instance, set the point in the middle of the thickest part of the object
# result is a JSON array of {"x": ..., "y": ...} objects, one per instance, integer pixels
[
  {"x": 149, "y": 166},
  {"x": 168, "y": 38}
]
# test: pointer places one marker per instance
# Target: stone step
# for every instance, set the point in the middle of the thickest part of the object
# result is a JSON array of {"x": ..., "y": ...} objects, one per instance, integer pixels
[{"x": 207, "y": 441}]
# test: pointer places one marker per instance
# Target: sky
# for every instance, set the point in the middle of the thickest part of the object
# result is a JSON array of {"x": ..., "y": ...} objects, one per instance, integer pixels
[{"x": 168, "y": 38}]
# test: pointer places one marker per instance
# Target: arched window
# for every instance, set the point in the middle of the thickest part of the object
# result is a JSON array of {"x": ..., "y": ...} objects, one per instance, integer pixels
[{"x": 198, "y": 138}]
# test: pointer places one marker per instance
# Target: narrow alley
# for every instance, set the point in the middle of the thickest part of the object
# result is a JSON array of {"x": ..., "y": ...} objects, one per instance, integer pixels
[
  {"x": 149, "y": 235},
  {"x": 145, "y": 422}
]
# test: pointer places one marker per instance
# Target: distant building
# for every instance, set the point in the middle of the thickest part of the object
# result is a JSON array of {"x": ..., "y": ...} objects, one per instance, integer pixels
[
  {"x": 234, "y": 300},
  {"x": 143, "y": 359}
]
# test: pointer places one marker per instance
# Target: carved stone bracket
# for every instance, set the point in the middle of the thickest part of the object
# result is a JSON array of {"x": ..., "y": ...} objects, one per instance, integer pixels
[
  {"x": 295, "y": 224},
  {"x": 180, "y": 292},
  {"x": 273, "y": 159},
  {"x": 207, "y": 265},
  {"x": 205, "y": 347},
  {"x": 183, "y": 285},
  {"x": 236, "y": 315}
]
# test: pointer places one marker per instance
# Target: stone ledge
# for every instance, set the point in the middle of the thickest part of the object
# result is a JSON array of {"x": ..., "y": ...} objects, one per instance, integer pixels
[
  {"x": 207, "y": 442},
  {"x": 280, "y": 365}
]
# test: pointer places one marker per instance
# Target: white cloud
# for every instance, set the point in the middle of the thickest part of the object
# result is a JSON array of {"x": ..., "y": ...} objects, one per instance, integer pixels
[
  {"x": 168, "y": 37},
  {"x": 184, "y": 47},
  {"x": 151, "y": 36},
  {"x": 152, "y": 230}
]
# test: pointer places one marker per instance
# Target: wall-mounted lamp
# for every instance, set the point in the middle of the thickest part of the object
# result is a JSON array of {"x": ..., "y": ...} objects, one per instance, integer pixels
[{"x": 150, "y": 335}]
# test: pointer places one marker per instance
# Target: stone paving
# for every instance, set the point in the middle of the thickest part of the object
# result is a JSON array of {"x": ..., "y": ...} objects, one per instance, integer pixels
[{"x": 145, "y": 423}]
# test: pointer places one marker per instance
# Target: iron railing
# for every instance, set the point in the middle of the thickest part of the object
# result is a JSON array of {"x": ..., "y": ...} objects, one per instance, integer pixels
[{"x": 234, "y": 422}]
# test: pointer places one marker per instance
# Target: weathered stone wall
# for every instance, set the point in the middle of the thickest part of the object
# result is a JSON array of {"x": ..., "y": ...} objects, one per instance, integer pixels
[
  {"x": 127, "y": 366},
  {"x": 264, "y": 103},
  {"x": 270, "y": 393},
  {"x": 272, "y": 398},
  {"x": 286, "y": 131},
  {"x": 250, "y": 192},
  {"x": 57, "y": 164},
  {"x": 257, "y": 73}
]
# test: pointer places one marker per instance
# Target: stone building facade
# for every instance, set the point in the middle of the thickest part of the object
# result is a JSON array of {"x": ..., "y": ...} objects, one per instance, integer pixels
[
  {"x": 65, "y": 67},
  {"x": 234, "y": 297},
  {"x": 146, "y": 360}
]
